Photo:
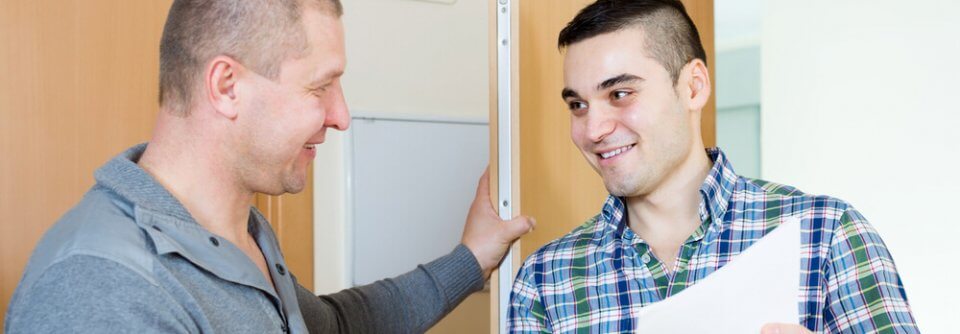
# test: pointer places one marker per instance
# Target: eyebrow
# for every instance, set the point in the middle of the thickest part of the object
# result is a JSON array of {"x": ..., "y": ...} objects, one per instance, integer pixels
[
  {"x": 325, "y": 77},
  {"x": 622, "y": 78}
]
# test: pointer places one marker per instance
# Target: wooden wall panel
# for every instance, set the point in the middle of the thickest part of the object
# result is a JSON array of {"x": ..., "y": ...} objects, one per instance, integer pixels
[
  {"x": 78, "y": 85},
  {"x": 470, "y": 317},
  {"x": 701, "y": 11}
]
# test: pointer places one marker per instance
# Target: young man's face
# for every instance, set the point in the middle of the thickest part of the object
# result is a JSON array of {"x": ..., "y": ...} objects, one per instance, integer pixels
[
  {"x": 287, "y": 116},
  {"x": 626, "y": 117}
]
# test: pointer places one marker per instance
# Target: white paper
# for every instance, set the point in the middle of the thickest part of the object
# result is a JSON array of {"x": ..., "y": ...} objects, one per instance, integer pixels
[{"x": 759, "y": 286}]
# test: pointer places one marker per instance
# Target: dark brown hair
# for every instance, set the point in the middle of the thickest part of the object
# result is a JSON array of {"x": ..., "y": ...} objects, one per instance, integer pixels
[{"x": 671, "y": 37}]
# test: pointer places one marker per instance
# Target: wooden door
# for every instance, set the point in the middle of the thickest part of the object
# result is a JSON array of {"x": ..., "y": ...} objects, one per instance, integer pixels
[{"x": 78, "y": 85}]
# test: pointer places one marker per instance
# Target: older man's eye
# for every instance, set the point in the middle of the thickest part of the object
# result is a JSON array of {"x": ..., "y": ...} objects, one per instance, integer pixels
[{"x": 318, "y": 92}]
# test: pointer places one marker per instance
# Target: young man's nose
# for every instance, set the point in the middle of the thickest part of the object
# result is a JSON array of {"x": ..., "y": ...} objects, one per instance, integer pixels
[{"x": 600, "y": 124}]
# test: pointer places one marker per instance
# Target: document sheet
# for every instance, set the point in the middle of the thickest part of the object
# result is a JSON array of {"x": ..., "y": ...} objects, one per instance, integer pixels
[{"x": 758, "y": 286}]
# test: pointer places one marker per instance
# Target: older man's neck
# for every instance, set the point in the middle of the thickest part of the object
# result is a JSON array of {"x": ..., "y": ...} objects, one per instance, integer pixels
[{"x": 201, "y": 179}]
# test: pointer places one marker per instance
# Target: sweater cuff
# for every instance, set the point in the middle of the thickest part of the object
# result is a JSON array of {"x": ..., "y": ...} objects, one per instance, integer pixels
[{"x": 458, "y": 273}]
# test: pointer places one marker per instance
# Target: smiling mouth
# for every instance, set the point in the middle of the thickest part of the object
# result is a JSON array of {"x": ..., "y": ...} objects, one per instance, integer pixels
[
  {"x": 310, "y": 146},
  {"x": 615, "y": 152}
]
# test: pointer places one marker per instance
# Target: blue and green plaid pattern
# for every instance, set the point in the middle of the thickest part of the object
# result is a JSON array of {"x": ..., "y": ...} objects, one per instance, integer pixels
[{"x": 597, "y": 277}]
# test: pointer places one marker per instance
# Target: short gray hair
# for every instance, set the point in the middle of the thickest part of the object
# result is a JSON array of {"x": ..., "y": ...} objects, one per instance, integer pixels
[{"x": 261, "y": 34}]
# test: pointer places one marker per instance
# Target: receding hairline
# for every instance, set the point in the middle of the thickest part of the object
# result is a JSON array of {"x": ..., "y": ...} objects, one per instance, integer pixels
[
  {"x": 186, "y": 47},
  {"x": 327, "y": 6}
]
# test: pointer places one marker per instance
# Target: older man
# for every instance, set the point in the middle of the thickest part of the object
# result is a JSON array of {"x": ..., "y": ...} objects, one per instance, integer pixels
[{"x": 166, "y": 241}]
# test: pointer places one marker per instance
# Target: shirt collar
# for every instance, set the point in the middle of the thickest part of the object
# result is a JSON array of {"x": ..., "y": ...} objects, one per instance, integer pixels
[
  {"x": 173, "y": 230},
  {"x": 123, "y": 176},
  {"x": 717, "y": 188},
  {"x": 715, "y": 193}
]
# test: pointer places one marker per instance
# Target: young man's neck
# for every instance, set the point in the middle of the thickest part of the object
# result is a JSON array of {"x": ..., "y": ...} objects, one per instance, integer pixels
[
  {"x": 199, "y": 176},
  {"x": 666, "y": 217}
]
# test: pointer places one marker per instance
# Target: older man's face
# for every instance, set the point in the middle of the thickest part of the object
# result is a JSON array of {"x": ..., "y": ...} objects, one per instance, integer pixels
[{"x": 288, "y": 116}]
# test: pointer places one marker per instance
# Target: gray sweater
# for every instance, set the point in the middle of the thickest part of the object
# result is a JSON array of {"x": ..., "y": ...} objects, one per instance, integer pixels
[{"x": 130, "y": 258}]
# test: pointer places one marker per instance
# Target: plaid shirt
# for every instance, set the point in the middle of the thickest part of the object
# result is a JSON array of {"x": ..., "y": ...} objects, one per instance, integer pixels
[{"x": 597, "y": 277}]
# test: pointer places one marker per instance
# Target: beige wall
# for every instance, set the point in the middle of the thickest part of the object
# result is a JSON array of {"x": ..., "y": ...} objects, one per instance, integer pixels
[{"x": 417, "y": 58}]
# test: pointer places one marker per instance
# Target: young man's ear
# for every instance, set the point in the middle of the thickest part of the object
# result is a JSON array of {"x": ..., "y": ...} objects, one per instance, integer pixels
[
  {"x": 697, "y": 84},
  {"x": 220, "y": 83}
]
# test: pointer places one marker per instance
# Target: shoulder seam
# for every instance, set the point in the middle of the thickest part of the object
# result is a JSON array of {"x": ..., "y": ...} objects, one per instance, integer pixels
[
  {"x": 83, "y": 251},
  {"x": 77, "y": 252}
]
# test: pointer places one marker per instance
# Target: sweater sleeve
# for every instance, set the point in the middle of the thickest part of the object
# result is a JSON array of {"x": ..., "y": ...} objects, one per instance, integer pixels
[
  {"x": 409, "y": 303},
  {"x": 89, "y": 294}
]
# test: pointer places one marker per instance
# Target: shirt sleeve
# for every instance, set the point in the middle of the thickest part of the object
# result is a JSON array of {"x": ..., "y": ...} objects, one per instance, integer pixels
[
  {"x": 526, "y": 314},
  {"x": 409, "y": 303},
  {"x": 864, "y": 290},
  {"x": 89, "y": 294}
]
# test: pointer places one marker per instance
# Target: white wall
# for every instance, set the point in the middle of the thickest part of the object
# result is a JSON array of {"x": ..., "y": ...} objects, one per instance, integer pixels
[
  {"x": 859, "y": 102},
  {"x": 406, "y": 59}
]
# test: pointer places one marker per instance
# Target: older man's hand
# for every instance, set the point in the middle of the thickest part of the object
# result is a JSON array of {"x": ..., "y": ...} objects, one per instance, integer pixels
[
  {"x": 784, "y": 329},
  {"x": 485, "y": 234}
]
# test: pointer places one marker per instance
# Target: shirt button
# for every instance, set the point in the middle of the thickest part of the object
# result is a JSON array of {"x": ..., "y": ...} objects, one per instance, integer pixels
[
  {"x": 281, "y": 270},
  {"x": 645, "y": 258},
  {"x": 214, "y": 241}
]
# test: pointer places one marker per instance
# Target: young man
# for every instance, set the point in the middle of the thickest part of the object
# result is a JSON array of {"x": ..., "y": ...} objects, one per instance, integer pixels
[
  {"x": 636, "y": 81},
  {"x": 167, "y": 241}
]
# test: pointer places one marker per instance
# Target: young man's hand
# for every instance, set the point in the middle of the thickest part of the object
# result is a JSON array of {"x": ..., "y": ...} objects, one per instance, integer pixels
[
  {"x": 784, "y": 329},
  {"x": 488, "y": 237}
]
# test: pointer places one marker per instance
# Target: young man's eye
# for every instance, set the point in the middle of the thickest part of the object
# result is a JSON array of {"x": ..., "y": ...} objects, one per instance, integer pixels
[
  {"x": 616, "y": 95},
  {"x": 576, "y": 105}
]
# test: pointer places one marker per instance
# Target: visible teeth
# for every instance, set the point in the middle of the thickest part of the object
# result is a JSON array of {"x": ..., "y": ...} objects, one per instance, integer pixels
[
  {"x": 614, "y": 153},
  {"x": 309, "y": 146}
]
